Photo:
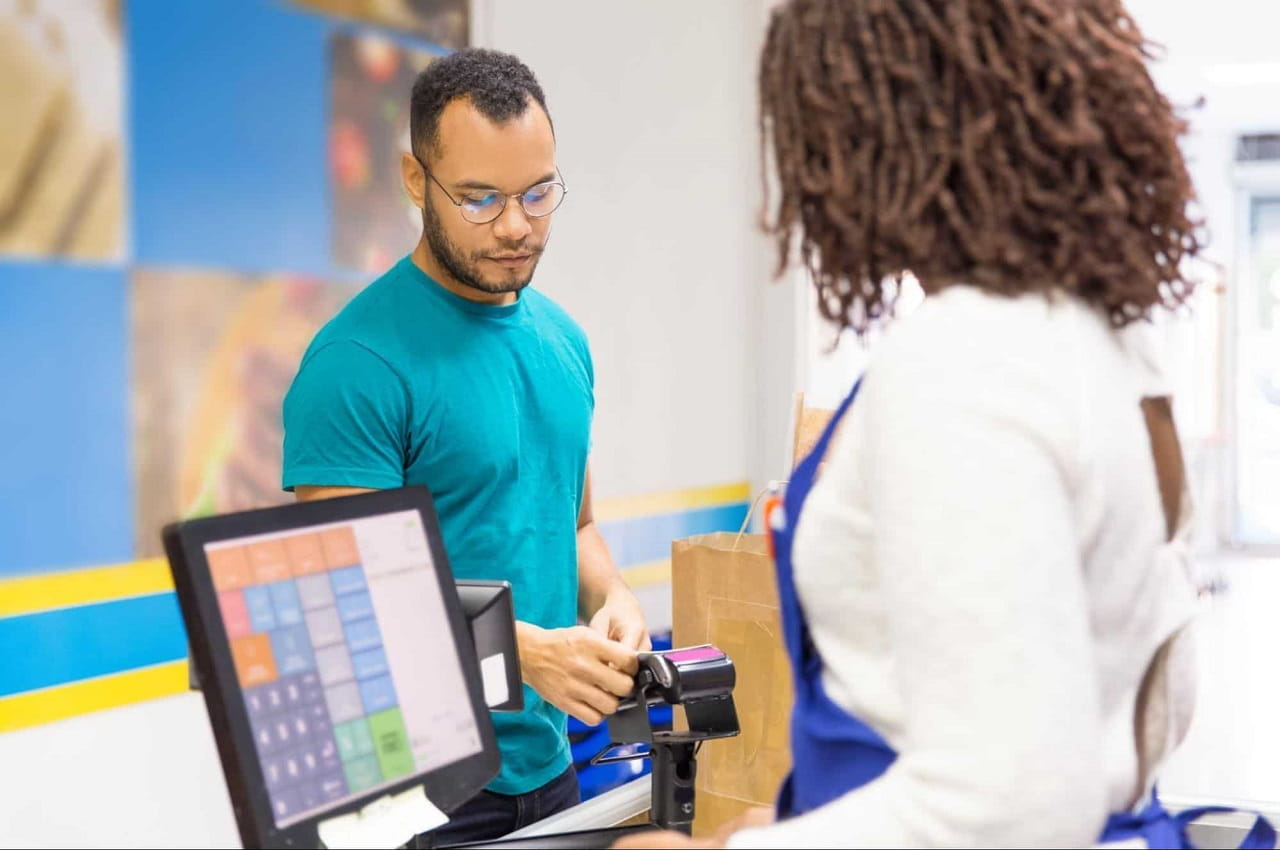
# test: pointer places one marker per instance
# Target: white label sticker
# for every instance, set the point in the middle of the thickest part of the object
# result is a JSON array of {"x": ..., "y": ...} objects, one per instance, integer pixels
[
  {"x": 493, "y": 672},
  {"x": 386, "y": 822}
]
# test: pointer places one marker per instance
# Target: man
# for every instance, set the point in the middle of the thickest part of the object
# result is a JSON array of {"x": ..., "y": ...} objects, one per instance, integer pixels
[{"x": 447, "y": 371}]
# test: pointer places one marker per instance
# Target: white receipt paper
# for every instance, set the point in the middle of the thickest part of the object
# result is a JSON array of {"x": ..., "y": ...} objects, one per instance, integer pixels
[
  {"x": 389, "y": 821},
  {"x": 493, "y": 673}
]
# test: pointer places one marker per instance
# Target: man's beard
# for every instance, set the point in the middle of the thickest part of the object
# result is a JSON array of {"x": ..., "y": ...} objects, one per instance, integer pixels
[{"x": 466, "y": 270}]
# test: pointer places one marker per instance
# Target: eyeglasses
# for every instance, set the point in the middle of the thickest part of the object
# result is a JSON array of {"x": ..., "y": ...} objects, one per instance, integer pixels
[{"x": 483, "y": 207}]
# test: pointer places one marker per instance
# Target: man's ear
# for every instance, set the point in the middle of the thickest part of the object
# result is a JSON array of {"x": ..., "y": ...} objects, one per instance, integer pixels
[{"x": 415, "y": 179}]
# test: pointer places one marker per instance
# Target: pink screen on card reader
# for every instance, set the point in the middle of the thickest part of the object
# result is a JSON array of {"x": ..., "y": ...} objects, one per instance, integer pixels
[{"x": 698, "y": 653}]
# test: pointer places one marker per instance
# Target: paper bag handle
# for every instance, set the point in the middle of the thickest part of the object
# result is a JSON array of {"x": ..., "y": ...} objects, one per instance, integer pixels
[{"x": 772, "y": 488}]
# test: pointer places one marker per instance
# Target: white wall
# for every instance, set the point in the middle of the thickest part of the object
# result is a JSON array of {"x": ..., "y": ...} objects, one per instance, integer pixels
[{"x": 141, "y": 776}]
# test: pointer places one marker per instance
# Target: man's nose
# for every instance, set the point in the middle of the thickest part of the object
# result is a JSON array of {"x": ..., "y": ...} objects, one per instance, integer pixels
[{"x": 513, "y": 224}]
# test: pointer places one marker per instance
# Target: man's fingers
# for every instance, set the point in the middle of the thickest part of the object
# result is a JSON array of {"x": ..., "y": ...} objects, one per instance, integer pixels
[
  {"x": 613, "y": 681},
  {"x": 600, "y": 701},
  {"x": 584, "y": 712},
  {"x": 619, "y": 655},
  {"x": 635, "y": 636}
]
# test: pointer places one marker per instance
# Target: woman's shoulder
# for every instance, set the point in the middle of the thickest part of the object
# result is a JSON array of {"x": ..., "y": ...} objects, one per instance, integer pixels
[{"x": 963, "y": 328}]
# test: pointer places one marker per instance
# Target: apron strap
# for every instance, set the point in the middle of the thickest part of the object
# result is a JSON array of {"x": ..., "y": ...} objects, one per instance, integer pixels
[
  {"x": 795, "y": 629},
  {"x": 1159, "y": 828}
]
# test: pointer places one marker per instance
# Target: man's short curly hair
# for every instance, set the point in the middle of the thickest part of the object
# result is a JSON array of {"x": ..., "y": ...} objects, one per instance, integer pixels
[
  {"x": 498, "y": 84},
  {"x": 1013, "y": 145}
]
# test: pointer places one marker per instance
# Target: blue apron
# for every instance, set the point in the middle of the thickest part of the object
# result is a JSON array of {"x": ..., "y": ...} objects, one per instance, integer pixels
[{"x": 834, "y": 752}]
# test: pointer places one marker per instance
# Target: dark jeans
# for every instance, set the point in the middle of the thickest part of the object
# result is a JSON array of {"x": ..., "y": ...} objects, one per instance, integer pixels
[{"x": 488, "y": 815}]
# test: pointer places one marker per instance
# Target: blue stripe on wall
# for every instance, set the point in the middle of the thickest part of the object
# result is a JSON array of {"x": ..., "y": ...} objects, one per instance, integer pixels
[
  {"x": 56, "y": 647},
  {"x": 66, "y": 492},
  {"x": 229, "y": 111},
  {"x": 646, "y": 539},
  {"x": 70, "y": 644}
]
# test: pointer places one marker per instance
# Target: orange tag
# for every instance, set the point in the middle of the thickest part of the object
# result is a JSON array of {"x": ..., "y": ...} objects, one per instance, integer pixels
[{"x": 772, "y": 504}]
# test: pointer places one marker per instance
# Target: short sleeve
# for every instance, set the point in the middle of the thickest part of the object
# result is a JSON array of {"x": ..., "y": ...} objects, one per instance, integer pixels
[{"x": 345, "y": 421}]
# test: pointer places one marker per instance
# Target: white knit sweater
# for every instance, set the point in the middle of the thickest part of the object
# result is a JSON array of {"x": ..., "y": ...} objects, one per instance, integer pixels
[{"x": 984, "y": 569}]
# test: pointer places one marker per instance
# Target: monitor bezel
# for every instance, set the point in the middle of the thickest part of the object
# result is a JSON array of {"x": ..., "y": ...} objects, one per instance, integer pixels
[{"x": 447, "y": 787}]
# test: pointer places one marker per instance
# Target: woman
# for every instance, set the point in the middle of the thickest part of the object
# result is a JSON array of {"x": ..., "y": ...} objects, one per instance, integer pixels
[{"x": 987, "y": 591}]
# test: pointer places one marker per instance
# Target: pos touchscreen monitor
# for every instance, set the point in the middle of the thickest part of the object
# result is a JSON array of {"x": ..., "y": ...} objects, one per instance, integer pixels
[{"x": 334, "y": 658}]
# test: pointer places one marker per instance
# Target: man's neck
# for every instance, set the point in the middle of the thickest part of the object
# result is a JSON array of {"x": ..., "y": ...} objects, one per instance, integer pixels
[{"x": 425, "y": 260}]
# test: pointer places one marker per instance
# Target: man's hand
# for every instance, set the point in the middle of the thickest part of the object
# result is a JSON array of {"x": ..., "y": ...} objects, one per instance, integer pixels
[
  {"x": 577, "y": 670},
  {"x": 621, "y": 619}
]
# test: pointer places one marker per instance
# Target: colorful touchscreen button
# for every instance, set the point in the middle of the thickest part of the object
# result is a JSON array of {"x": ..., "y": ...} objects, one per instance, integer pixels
[{"x": 309, "y": 658}]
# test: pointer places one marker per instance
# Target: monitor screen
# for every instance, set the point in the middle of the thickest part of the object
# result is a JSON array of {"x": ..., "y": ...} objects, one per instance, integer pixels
[{"x": 344, "y": 658}]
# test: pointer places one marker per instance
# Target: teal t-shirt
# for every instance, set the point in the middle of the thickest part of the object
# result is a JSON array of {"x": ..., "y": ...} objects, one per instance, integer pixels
[{"x": 490, "y": 408}]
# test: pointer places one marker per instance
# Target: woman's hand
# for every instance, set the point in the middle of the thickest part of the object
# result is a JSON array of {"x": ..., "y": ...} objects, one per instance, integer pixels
[
  {"x": 759, "y": 816},
  {"x": 663, "y": 839}
]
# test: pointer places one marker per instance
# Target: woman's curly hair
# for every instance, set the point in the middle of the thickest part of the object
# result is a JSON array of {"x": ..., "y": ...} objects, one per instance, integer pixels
[{"x": 1012, "y": 145}]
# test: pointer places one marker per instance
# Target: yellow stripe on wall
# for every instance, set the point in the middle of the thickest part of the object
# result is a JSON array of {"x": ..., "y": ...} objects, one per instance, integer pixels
[
  {"x": 630, "y": 507},
  {"x": 647, "y": 575},
  {"x": 45, "y": 706},
  {"x": 82, "y": 587},
  {"x": 30, "y": 594}
]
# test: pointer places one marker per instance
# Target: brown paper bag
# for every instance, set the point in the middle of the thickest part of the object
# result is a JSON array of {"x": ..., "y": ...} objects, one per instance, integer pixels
[
  {"x": 809, "y": 424},
  {"x": 724, "y": 592}
]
